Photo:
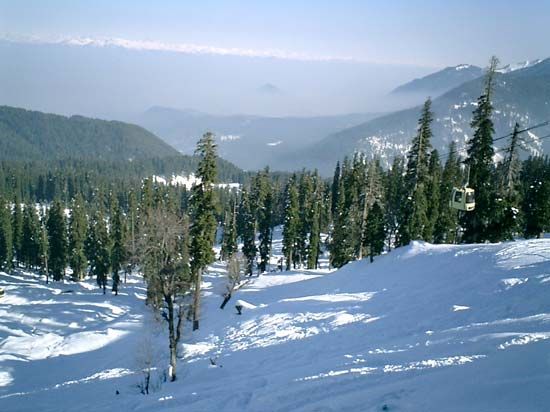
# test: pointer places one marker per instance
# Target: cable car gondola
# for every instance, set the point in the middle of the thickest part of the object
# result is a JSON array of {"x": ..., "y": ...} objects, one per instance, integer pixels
[{"x": 463, "y": 199}]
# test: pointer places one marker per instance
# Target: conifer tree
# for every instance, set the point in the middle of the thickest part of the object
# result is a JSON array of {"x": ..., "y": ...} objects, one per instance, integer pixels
[
  {"x": 248, "y": 235},
  {"x": 77, "y": 237},
  {"x": 505, "y": 219},
  {"x": 314, "y": 241},
  {"x": 203, "y": 218},
  {"x": 305, "y": 191},
  {"x": 6, "y": 234},
  {"x": 447, "y": 220},
  {"x": 97, "y": 247},
  {"x": 334, "y": 189},
  {"x": 44, "y": 250},
  {"x": 395, "y": 195},
  {"x": 265, "y": 227},
  {"x": 30, "y": 246},
  {"x": 480, "y": 163},
  {"x": 416, "y": 179},
  {"x": 57, "y": 240},
  {"x": 375, "y": 233},
  {"x": 119, "y": 251},
  {"x": 229, "y": 242},
  {"x": 433, "y": 196},
  {"x": 17, "y": 227},
  {"x": 535, "y": 198},
  {"x": 291, "y": 228}
]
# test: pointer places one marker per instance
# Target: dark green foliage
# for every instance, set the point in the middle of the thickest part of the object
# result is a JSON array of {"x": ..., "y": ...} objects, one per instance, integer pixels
[
  {"x": 98, "y": 249},
  {"x": 433, "y": 196},
  {"x": 395, "y": 195},
  {"x": 535, "y": 194},
  {"x": 315, "y": 219},
  {"x": 57, "y": 240},
  {"x": 506, "y": 219},
  {"x": 247, "y": 234},
  {"x": 203, "y": 206},
  {"x": 265, "y": 228},
  {"x": 203, "y": 216},
  {"x": 262, "y": 203},
  {"x": 6, "y": 237},
  {"x": 417, "y": 179},
  {"x": 78, "y": 225},
  {"x": 17, "y": 227},
  {"x": 291, "y": 229},
  {"x": 375, "y": 233},
  {"x": 119, "y": 249},
  {"x": 30, "y": 244},
  {"x": 26, "y": 135},
  {"x": 480, "y": 161},
  {"x": 229, "y": 241},
  {"x": 447, "y": 218}
]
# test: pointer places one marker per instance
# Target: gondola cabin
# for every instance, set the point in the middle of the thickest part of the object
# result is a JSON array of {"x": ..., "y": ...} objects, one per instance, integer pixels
[{"x": 463, "y": 199}]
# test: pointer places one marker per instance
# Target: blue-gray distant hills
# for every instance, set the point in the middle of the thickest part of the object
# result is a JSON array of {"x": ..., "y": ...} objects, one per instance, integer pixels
[
  {"x": 521, "y": 95},
  {"x": 250, "y": 142}
]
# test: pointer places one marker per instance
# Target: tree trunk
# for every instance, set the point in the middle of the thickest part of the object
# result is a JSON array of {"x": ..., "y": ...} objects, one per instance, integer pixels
[
  {"x": 197, "y": 300},
  {"x": 172, "y": 338}
]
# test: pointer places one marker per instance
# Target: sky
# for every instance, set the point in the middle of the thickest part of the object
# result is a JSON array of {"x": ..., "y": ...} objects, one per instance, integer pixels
[{"x": 381, "y": 42}]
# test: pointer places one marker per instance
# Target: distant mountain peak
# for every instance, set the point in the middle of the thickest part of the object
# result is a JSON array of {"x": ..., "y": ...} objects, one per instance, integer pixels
[{"x": 269, "y": 88}]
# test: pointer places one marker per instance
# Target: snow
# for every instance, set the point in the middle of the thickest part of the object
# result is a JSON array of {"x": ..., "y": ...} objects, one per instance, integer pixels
[
  {"x": 425, "y": 327},
  {"x": 189, "y": 181}
]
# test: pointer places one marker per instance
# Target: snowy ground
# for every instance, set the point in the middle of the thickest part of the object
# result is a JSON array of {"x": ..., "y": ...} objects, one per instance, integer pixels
[{"x": 424, "y": 328}]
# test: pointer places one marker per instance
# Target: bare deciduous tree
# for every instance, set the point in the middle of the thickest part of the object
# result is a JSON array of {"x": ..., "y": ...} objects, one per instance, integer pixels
[{"x": 165, "y": 263}]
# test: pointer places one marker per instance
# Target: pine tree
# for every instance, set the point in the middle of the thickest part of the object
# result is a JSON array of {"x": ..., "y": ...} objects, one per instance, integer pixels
[
  {"x": 314, "y": 241},
  {"x": 416, "y": 179},
  {"x": 6, "y": 236},
  {"x": 44, "y": 250},
  {"x": 447, "y": 220},
  {"x": 265, "y": 228},
  {"x": 203, "y": 218},
  {"x": 57, "y": 240},
  {"x": 229, "y": 242},
  {"x": 291, "y": 226},
  {"x": 305, "y": 191},
  {"x": 30, "y": 247},
  {"x": 97, "y": 247},
  {"x": 505, "y": 220},
  {"x": 335, "y": 190},
  {"x": 248, "y": 235},
  {"x": 535, "y": 202},
  {"x": 119, "y": 251},
  {"x": 433, "y": 195},
  {"x": 17, "y": 227},
  {"x": 395, "y": 195},
  {"x": 77, "y": 237},
  {"x": 480, "y": 162},
  {"x": 375, "y": 233}
]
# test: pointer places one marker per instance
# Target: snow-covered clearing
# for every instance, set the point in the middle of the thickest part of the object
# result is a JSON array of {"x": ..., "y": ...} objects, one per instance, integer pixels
[{"x": 446, "y": 328}]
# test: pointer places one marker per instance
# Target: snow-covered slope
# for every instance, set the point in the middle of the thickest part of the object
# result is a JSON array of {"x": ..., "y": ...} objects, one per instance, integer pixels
[{"x": 446, "y": 328}]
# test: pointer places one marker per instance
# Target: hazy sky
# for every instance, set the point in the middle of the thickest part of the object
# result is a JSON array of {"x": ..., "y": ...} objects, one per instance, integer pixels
[
  {"x": 424, "y": 33},
  {"x": 326, "y": 56}
]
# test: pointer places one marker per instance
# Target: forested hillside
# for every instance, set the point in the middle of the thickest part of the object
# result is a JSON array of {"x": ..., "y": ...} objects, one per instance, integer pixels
[{"x": 32, "y": 135}]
